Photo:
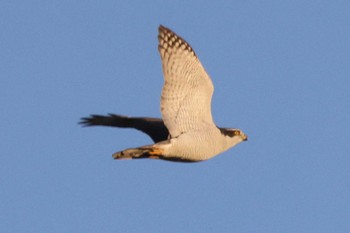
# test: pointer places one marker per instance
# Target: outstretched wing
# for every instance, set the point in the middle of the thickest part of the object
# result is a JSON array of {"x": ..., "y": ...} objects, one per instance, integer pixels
[
  {"x": 153, "y": 127},
  {"x": 187, "y": 90}
]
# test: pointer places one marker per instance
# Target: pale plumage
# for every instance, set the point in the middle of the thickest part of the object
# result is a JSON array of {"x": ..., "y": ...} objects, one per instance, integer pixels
[
  {"x": 185, "y": 107},
  {"x": 187, "y": 90}
]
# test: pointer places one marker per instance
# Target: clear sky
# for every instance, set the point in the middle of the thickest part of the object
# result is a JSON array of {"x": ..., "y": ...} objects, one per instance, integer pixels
[{"x": 281, "y": 71}]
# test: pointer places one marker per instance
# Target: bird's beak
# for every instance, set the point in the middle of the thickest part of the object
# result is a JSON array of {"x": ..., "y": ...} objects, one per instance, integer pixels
[{"x": 245, "y": 137}]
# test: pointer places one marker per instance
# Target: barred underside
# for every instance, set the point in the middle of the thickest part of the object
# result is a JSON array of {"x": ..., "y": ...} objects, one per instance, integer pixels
[{"x": 187, "y": 90}]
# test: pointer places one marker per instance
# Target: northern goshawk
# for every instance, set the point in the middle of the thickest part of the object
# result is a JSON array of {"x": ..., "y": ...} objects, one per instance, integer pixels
[{"x": 187, "y": 132}]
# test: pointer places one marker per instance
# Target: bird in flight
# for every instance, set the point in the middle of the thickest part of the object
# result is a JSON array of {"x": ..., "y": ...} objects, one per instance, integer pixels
[{"x": 186, "y": 132}]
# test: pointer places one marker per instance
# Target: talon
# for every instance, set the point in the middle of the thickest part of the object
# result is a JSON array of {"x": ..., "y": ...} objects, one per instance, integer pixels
[{"x": 121, "y": 155}]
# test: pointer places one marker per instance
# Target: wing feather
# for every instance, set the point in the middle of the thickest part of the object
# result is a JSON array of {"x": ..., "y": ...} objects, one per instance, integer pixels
[{"x": 187, "y": 91}]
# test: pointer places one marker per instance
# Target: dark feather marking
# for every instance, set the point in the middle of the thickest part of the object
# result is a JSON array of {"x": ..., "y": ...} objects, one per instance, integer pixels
[{"x": 153, "y": 127}]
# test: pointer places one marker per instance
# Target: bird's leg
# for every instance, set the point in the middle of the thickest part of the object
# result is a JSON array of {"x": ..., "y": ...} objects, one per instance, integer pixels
[{"x": 138, "y": 153}]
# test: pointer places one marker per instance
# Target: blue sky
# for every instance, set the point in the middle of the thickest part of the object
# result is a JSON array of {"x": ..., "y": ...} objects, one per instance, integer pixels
[{"x": 281, "y": 73}]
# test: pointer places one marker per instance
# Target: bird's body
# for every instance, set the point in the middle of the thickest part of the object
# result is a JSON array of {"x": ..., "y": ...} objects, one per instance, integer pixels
[
  {"x": 187, "y": 132},
  {"x": 197, "y": 145}
]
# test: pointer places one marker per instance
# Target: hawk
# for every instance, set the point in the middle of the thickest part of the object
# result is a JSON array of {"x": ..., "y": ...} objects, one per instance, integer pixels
[{"x": 186, "y": 132}]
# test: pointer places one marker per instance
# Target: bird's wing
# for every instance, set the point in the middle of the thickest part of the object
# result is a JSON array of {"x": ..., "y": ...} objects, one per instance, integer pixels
[
  {"x": 153, "y": 127},
  {"x": 187, "y": 90}
]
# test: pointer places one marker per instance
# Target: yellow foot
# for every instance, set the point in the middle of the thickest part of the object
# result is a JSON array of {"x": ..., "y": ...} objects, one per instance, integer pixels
[
  {"x": 141, "y": 152},
  {"x": 156, "y": 152}
]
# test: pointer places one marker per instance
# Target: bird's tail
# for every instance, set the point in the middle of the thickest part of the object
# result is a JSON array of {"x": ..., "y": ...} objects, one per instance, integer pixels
[{"x": 139, "y": 153}]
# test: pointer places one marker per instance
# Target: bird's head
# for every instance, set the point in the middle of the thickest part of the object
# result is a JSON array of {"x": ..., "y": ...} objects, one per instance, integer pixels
[{"x": 233, "y": 136}]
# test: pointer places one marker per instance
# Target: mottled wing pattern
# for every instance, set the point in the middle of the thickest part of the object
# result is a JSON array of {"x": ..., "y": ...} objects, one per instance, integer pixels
[{"x": 187, "y": 90}]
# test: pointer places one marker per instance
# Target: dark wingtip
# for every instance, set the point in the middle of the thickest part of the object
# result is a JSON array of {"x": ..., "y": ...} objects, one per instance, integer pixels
[
  {"x": 88, "y": 121},
  {"x": 84, "y": 122}
]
